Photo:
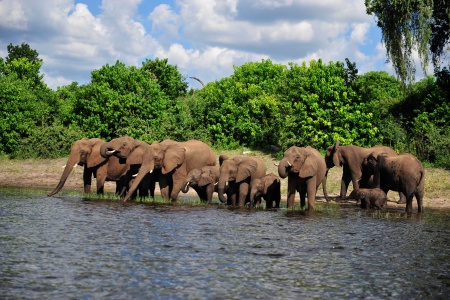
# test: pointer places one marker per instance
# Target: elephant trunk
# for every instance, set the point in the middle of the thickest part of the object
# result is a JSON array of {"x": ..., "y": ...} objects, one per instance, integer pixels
[
  {"x": 283, "y": 167},
  {"x": 185, "y": 187},
  {"x": 221, "y": 188},
  {"x": 104, "y": 152},
  {"x": 71, "y": 163}
]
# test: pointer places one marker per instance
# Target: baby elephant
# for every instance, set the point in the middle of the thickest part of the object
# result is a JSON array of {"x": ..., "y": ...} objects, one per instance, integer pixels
[
  {"x": 267, "y": 187},
  {"x": 370, "y": 198}
]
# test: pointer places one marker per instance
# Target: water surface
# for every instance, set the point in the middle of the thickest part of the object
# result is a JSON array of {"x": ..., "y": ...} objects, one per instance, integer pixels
[{"x": 69, "y": 247}]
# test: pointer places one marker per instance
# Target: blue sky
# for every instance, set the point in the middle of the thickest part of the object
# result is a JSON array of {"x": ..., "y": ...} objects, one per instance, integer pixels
[{"x": 204, "y": 38}]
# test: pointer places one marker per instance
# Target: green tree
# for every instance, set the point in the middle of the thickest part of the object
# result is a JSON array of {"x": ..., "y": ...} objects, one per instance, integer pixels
[
  {"x": 381, "y": 92},
  {"x": 243, "y": 109},
  {"x": 320, "y": 108},
  {"x": 172, "y": 83},
  {"x": 120, "y": 100},
  {"x": 26, "y": 102},
  {"x": 407, "y": 25}
]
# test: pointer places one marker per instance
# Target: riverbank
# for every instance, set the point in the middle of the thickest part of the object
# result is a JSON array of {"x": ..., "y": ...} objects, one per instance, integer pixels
[{"x": 45, "y": 173}]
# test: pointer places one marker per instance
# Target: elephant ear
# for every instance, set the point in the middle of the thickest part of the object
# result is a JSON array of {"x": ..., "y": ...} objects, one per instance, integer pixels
[
  {"x": 173, "y": 158},
  {"x": 309, "y": 167},
  {"x": 271, "y": 182},
  {"x": 222, "y": 157},
  {"x": 337, "y": 157},
  {"x": 246, "y": 166},
  {"x": 94, "y": 158},
  {"x": 136, "y": 157},
  {"x": 207, "y": 177}
]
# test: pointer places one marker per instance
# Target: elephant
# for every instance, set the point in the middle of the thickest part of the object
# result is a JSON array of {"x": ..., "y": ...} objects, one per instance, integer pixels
[
  {"x": 204, "y": 181},
  {"x": 236, "y": 173},
  {"x": 86, "y": 152},
  {"x": 305, "y": 169},
  {"x": 351, "y": 159},
  {"x": 171, "y": 160},
  {"x": 403, "y": 173},
  {"x": 267, "y": 187},
  {"x": 370, "y": 198}
]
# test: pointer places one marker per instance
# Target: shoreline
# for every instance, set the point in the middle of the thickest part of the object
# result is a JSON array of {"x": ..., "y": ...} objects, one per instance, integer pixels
[{"x": 45, "y": 174}]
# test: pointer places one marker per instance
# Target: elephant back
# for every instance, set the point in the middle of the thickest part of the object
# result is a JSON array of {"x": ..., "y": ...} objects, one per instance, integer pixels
[{"x": 198, "y": 154}]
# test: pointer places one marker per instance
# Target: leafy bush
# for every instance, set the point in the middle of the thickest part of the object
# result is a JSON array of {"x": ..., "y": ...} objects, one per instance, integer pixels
[{"x": 48, "y": 142}]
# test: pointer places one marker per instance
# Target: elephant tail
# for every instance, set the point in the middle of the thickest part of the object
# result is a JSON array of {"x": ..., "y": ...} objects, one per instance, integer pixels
[{"x": 421, "y": 185}]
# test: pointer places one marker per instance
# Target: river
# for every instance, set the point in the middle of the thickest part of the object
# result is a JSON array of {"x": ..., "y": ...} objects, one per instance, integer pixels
[{"x": 68, "y": 247}]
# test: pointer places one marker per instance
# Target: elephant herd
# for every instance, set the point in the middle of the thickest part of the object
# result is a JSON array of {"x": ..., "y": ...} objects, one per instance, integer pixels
[{"x": 137, "y": 166}]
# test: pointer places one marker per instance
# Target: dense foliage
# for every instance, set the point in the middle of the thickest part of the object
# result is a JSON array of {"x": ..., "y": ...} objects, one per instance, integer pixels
[{"x": 261, "y": 105}]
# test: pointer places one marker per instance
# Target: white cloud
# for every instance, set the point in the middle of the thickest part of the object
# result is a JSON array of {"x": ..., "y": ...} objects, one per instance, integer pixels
[{"x": 204, "y": 38}]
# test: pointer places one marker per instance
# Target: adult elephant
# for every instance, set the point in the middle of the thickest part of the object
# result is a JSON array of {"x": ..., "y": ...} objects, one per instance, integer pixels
[
  {"x": 236, "y": 174},
  {"x": 172, "y": 160},
  {"x": 204, "y": 181},
  {"x": 403, "y": 173},
  {"x": 86, "y": 152},
  {"x": 351, "y": 159},
  {"x": 305, "y": 169}
]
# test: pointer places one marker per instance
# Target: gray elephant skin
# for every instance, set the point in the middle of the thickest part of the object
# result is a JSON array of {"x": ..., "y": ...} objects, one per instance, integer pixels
[
  {"x": 351, "y": 159},
  {"x": 403, "y": 173},
  {"x": 204, "y": 181},
  {"x": 370, "y": 198},
  {"x": 86, "y": 152},
  {"x": 171, "y": 159},
  {"x": 305, "y": 169},
  {"x": 236, "y": 174},
  {"x": 268, "y": 188}
]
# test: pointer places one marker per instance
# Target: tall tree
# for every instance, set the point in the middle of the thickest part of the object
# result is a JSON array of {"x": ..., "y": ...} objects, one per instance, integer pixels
[{"x": 412, "y": 24}]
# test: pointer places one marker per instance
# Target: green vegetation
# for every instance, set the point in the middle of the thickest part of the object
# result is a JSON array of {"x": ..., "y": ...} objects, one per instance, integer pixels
[{"x": 259, "y": 105}]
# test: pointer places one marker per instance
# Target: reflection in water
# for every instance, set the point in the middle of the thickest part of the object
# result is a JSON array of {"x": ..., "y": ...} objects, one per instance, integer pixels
[{"x": 70, "y": 248}]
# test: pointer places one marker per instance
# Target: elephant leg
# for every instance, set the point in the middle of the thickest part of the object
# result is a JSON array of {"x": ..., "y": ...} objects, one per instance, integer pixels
[
  {"x": 344, "y": 187},
  {"x": 243, "y": 192},
  {"x": 419, "y": 198},
  {"x": 292, "y": 182},
  {"x": 402, "y": 199},
  {"x": 101, "y": 173},
  {"x": 177, "y": 183},
  {"x": 311, "y": 192},
  {"x": 201, "y": 192},
  {"x": 409, "y": 204},
  {"x": 87, "y": 180},
  {"x": 269, "y": 201},
  {"x": 209, "y": 192},
  {"x": 144, "y": 187},
  {"x": 164, "y": 187}
]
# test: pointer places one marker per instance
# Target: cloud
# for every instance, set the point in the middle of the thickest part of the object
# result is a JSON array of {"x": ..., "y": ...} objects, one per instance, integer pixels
[{"x": 204, "y": 38}]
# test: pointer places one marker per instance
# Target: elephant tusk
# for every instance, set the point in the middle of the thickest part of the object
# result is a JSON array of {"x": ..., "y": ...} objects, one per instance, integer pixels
[
  {"x": 276, "y": 164},
  {"x": 134, "y": 176},
  {"x": 75, "y": 165},
  {"x": 110, "y": 152},
  {"x": 151, "y": 171},
  {"x": 216, "y": 183},
  {"x": 290, "y": 165}
]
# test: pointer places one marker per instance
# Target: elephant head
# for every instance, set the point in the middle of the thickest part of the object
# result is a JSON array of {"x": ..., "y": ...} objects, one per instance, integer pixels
[
  {"x": 84, "y": 152},
  {"x": 133, "y": 152},
  {"x": 235, "y": 169},
  {"x": 167, "y": 156},
  {"x": 200, "y": 177},
  {"x": 298, "y": 160},
  {"x": 192, "y": 178},
  {"x": 333, "y": 156}
]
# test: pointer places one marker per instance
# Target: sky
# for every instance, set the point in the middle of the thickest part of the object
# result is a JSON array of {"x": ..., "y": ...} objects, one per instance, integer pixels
[{"x": 203, "y": 38}]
